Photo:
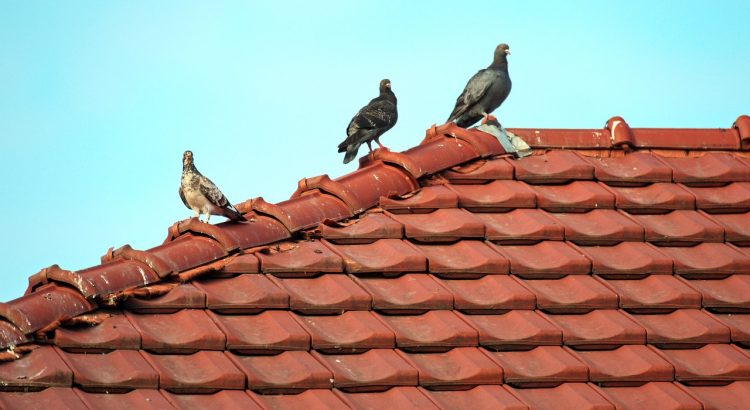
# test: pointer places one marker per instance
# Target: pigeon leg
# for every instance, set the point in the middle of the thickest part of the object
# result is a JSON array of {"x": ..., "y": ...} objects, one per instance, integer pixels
[
  {"x": 381, "y": 145},
  {"x": 369, "y": 146},
  {"x": 208, "y": 216}
]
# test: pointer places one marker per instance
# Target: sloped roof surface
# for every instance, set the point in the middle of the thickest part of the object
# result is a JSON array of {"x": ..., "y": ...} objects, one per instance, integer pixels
[{"x": 609, "y": 270}]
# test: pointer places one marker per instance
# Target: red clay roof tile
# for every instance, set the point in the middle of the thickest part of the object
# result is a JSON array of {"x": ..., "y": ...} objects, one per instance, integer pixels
[
  {"x": 542, "y": 366},
  {"x": 183, "y": 296},
  {"x": 521, "y": 226},
  {"x": 567, "y": 396},
  {"x": 654, "y": 395},
  {"x": 349, "y": 332},
  {"x": 269, "y": 332},
  {"x": 381, "y": 256},
  {"x": 708, "y": 260},
  {"x": 680, "y": 228},
  {"x": 395, "y": 398},
  {"x": 302, "y": 259},
  {"x": 683, "y": 328},
  {"x": 634, "y": 169},
  {"x": 373, "y": 370},
  {"x": 654, "y": 198},
  {"x": 545, "y": 260},
  {"x": 731, "y": 294},
  {"x": 371, "y": 182},
  {"x": 186, "y": 331},
  {"x": 203, "y": 372},
  {"x": 485, "y": 397},
  {"x": 260, "y": 230},
  {"x": 245, "y": 293},
  {"x": 739, "y": 325},
  {"x": 188, "y": 251},
  {"x": 434, "y": 331},
  {"x": 710, "y": 169},
  {"x": 479, "y": 172},
  {"x": 628, "y": 260},
  {"x": 115, "y": 332},
  {"x": 489, "y": 294},
  {"x": 47, "y": 304},
  {"x": 733, "y": 396},
  {"x": 732, "y": 198},
  {"x": 709, "y": 364},
  {"x": 443, "y": 225},
  {"x": 119, "y": 370},
  {"x": 455, "y": 369},
  {"x": 600, "y": 227},
  {"x": 427, "y": 199},
  {"x": 305, "y": 211},
  {"x": 599, "y": 329},
  {"x": 366, "y": 229},
  {"x": 135, "y": 399},
  {"x": 496, "y": 196},
  {"x": 515, "y": 330},
  {"x": 409, "y": 293},
  {"x": 577, "y": 196},
  {"x": 463, "y": 259},
  {"x": 552, "y": 167},
  {"x": 313, "y": 399},
  {"x": 47, "y": 399},
  {"x": 655, "y": 294},
  {"x": 247, "y": 263},
  {"x": 736, "y": 227},
  {"x": 286, "y": 372},
  {"x": 626, "y": 365},
  {"x": 224, "y": 399},
  {"x": 571, "y": 294},
  {"x": 325, "y": 294},
  {"x": 40, "y": 368}
]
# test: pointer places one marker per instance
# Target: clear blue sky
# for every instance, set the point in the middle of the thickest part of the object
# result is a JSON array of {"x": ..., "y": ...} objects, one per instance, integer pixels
[{"x": 98, "y": 100}]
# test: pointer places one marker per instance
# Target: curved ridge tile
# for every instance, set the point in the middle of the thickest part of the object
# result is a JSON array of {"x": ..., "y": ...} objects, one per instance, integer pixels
[{"x": 47, "y": 305}]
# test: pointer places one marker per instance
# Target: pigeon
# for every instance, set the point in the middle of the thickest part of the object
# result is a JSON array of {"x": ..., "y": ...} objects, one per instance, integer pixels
[
  {"x": 201, "y": 195},
  {"x": 374, "y": 119},
  {"x": 484, "y": 92}
]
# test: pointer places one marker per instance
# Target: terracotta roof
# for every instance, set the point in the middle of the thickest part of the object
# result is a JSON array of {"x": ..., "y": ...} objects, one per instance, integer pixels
[{"x": 608, "y": 270}]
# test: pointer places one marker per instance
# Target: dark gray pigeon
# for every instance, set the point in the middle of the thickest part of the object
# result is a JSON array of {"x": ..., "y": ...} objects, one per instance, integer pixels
[
  {"x": 371, "y": 122},
  {"x": 485, "y": 91},
  {"x": 203, "y": 196}
]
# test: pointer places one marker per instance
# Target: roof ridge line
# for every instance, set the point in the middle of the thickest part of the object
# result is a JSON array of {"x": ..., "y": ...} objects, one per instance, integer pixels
[{"x": 193, "y": 248}]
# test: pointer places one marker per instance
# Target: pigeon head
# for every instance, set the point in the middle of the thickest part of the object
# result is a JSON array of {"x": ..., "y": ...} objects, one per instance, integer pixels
[
  {"x": 385, "y": 84},
  {"x": 187, "y": 159},
  {"x": 501, "y": 54}
]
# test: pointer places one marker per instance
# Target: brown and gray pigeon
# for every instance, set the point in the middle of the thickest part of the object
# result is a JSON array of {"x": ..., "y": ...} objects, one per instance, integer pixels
[
  {"x": 203, "y": 196},
  {"x": 485, "y": 91},
  {"x": 371, "y": 122}
]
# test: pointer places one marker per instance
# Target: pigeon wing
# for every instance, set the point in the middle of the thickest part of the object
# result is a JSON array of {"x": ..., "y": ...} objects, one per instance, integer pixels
[
  {"x": 378, "y": 117},
  {"x": 475, "y": 89},
  {"x": 212, "y": 193},
  {"x": 182, "y": 196}
]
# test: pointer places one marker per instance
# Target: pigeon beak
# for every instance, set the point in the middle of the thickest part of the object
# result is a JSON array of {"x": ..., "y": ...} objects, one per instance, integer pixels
[{"x": 507, "y": 51}]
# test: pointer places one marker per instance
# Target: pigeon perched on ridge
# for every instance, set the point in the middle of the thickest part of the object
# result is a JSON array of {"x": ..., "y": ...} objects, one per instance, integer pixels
[
  {"x": 374, "y": 119},
  {"x": 203, "y": 196},
  {"x": 484, "y": 92}
]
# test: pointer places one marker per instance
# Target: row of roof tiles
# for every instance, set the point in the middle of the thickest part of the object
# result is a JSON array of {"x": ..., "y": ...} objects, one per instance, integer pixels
[
  {"x": 413, "y": 293},
  {"x": 273, "y": 331},
  {"x": 573, "y": 396},
  {"x": 376, "y": 369}
]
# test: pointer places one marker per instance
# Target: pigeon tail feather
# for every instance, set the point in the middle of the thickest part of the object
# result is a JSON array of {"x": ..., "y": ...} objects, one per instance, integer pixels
[
  {"x": 351, "y": 153},
  {"x": 234, "y": 215}
]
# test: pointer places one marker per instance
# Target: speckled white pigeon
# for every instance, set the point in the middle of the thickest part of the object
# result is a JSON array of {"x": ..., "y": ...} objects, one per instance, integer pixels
[{"x": 203, "y": 196}]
